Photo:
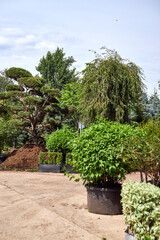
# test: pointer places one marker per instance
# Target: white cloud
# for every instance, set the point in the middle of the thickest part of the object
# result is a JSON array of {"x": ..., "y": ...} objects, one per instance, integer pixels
[
  {"x": 11, "y": 31},
  {"x": 26, "y": 39},
  {"x": 45, "y": 45},
  {"x": 3, "y": 40}
]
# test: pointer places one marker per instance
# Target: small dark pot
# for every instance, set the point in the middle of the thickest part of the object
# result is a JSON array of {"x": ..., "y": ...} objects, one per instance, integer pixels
[
  {"x": 104, "y": 201},
  {"x": 2, "y": 158},
  {"x": 129, "y": 236},
  {"x": 69, "y": 168},
  {"x": 49, "y": 168}
]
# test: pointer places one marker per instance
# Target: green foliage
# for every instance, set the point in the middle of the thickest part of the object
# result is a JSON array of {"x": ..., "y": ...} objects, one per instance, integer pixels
[
  {"x": 153, "y": 106},
  {"x": 50, "y": 158},
  {"x": 4, "y": 80},
  {"x": 33, "y": 102},
  {"x": 55, "y": 68},
  {"x": 98, "y": 150},
  {"x": 140, "y": 110},
  {"x": 69, "y": 159},
  {"x": 59, "y": 140},
  {"x": 32, "y": 82},
  {"x": 144, "y": 150},
  {"x": 141, "y": 209},
  {"x": 9, "y": 129},
  {"x": 59, "y": 158},
  {"x": 16, "y": 73},
  {"x": 110, "y": 87},
  {"x": 13, "y": 87},
  {"x": 70, "y": 100}
]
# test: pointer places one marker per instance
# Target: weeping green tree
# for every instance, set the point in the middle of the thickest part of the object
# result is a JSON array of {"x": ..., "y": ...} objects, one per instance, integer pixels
[
  {"x": 32, "y": 101},
  {"x": 110, "y": 87}
]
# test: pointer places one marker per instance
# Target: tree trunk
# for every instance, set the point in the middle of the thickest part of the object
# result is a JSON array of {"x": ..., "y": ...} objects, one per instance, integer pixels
[{"x": 34, "y": 134}]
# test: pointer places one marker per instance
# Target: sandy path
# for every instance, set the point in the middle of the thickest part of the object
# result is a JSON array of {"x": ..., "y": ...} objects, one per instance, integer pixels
[{"x": 48, "y": 206}]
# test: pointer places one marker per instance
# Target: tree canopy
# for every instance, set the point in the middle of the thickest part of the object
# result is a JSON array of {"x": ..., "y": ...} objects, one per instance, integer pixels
[
  {"x": 110, "y": 87},
  {"x": 4, "y": 80},
  {"x": 55, "y": 68},
  {"x": 70, "y": 101},
  {"x": 32, "y": 101}
]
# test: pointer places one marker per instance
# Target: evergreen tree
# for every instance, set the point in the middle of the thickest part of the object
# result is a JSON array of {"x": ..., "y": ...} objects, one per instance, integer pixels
[
  {"x": 33, "y": 102},
  {"x": 154, "y": 105}
]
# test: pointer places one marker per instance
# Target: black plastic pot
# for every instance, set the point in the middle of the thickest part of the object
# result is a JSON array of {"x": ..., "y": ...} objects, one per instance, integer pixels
[
  {"x": 49, "y": 168},
  {"x": 2, "y": 158},
  {"x": 129, "y": 236},
  {"x": 69, "y": 168},
  {"x": 105, "y": 201}
]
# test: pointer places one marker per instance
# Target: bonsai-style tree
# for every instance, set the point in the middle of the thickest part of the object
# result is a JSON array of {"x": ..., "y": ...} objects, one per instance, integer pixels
[
  {"x": 110, "y": 88},
  {"x": 55, "y": 68},
  {"x": 33, "y": 102}
]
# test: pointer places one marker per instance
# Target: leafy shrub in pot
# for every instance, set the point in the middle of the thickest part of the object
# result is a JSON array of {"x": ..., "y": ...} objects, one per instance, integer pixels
[
  {"x": 141, "y": 209},
  {"x": 98, "y": 153},
  {"x": 58, "y": 141},
  {"x": 50, "y": 158}
]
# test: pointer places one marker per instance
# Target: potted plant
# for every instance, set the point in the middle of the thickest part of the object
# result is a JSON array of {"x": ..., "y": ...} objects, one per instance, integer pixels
[
  {"x": 97, "y": 156},
  {"x": 58, "y": 141},
  {"x": 141, "y": 209},
  {"x": 50, "y": 161}
]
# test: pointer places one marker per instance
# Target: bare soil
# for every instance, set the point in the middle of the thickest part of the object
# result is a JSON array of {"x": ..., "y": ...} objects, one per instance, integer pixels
[{"x": 25, "y": 157}]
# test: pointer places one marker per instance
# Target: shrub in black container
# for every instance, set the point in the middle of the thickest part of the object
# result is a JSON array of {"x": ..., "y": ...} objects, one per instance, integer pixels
[
  {"x": 50, "y": 161},
  {"x": 59, "y": 141},
  {"x": 98, "y": 157}
]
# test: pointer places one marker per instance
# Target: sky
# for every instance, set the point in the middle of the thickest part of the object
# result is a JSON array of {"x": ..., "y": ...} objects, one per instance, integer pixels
[{"x": 31, "y": 28}]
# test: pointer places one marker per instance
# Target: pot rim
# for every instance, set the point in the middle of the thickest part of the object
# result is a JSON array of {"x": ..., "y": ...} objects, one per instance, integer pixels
[{"x": 106, "y": 189}]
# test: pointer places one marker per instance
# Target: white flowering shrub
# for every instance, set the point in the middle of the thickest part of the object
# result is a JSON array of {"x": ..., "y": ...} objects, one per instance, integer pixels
[{"x": 141, "y": 209}]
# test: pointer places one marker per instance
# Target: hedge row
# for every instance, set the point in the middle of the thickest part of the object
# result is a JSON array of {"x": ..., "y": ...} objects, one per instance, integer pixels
[
  {"x": 54, "y": 158},
  {"x": 141, "y": 209}
]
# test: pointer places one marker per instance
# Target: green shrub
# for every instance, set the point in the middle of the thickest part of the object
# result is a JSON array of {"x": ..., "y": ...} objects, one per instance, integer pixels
[
  {"x": 43, "y": 157},
  {"x": 59, "y": 140},
  {"x": 69, "y": 159},
  {"x": 141, "y": 209},
  {"x": 144, "y": 150},
  {"x": 98, "y": 153},
  {"x": 59, "y": 158},
  {"x": 50, "y": 158}
]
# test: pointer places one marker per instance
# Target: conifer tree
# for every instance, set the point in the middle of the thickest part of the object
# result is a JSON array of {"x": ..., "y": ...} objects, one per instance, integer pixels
[{"x": 32, "y": 101}]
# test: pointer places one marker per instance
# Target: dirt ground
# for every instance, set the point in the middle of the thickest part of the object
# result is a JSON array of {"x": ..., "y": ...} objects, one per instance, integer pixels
[{"x": 47, "y": 206}]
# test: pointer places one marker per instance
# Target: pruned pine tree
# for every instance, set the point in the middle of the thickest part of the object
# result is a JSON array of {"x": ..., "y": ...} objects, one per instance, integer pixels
[
  {"x": 33, "y": 102},
  {"x": 110, "y": 87}
]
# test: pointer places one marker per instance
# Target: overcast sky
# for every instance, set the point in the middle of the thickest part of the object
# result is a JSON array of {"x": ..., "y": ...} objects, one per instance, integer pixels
[{"x": 30, "y": 28}]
